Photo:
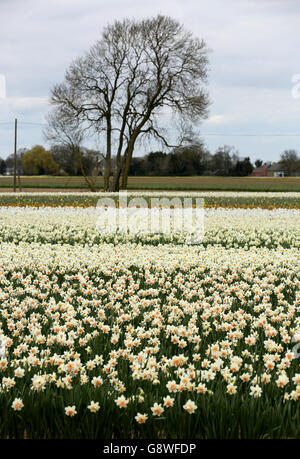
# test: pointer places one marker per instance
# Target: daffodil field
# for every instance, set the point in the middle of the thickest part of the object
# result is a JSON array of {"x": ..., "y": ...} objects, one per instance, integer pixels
[
  {"x": 228, "y": 199},
  {"x": 139, "y": 336}
]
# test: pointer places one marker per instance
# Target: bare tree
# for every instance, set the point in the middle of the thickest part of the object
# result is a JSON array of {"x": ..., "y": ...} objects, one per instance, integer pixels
[
  {"x": 66, "y": 131},
  {"x": 119, "y": 88}
]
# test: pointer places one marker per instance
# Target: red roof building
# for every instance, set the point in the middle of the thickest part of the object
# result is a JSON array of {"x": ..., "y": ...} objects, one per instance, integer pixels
[{"x": 261, "y": 171}]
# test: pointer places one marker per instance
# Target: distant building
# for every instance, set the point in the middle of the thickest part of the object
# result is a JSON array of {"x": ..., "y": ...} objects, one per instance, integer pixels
[
  {"x": 268, "y": 170},
  {"x": 275, "y": 170},
  {"x": 261, "y": 171},
  {"x": 9, "y": 171}
]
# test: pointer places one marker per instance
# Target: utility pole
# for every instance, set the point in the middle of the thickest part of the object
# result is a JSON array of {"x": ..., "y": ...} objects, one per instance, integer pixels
[
  {"x": 15, "y": 157},
  {"x": 19, "y": 181}
]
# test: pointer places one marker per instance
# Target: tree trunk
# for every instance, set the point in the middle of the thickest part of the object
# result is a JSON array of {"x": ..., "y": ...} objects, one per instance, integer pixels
[
  {"x": 107, "y": 170},
  {"x": 88, "y": 180},
  {"x": 115, "y": 184},
  {"x": 106, "y": 175},
  {"x": 125, "y": 169}
]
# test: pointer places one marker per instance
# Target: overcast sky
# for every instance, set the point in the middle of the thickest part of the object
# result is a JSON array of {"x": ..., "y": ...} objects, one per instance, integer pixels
[{"x": 254, "y": 55}]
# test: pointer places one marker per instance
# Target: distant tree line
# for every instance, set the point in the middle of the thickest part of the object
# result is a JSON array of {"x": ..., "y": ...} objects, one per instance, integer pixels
[
  {"x": 191, "y": 159},
  {"x": 59, "y": 161}
]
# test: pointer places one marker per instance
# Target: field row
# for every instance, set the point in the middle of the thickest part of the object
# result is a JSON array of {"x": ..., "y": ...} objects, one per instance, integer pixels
[
  {"x": 195, "y": 183},
  {"x": 269, "y": 200},
  {"x": 222, "y": 227}
]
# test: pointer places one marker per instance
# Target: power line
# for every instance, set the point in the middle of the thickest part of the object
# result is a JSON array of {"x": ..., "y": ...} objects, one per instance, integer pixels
[
  {"x": 248, "y": 135},
  {"x": 211, "y": 134}
]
